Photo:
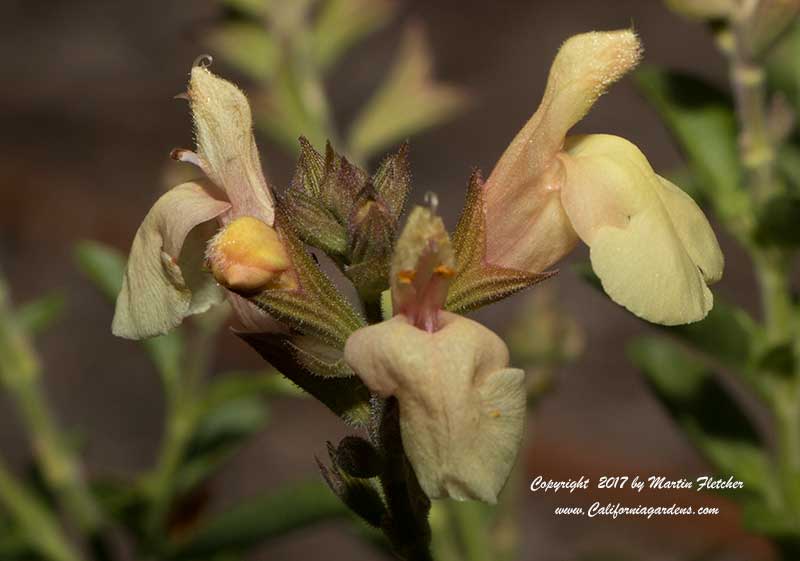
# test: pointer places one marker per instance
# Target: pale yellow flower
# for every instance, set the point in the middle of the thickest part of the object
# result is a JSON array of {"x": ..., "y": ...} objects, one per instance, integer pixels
[
  {"x": 165, "y": 280},
  {"x": 651, "y": 245},
  {"x": 461, "y": 406}
]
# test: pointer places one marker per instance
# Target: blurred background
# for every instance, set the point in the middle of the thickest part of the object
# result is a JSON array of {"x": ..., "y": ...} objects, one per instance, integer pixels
[{"x": 88, "y": 121}]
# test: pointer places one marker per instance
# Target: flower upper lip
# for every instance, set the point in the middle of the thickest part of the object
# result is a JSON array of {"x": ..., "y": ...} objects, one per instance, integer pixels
[{"x": 164, "y": 280}]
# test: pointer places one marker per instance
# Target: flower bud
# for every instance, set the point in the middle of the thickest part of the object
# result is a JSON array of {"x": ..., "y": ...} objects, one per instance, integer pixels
[{"x": 247, "y": 257}]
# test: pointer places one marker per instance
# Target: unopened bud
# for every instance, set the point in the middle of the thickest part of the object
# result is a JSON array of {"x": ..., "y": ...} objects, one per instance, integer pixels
[{"x": 247, "y": 257}]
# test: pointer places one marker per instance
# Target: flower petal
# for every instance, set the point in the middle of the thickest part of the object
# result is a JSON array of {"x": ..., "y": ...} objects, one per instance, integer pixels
[
  {"x": 526, "y": 228},
  {"x": 422, "y": 268},
  {"x": 651, "y": 246},
  {"x": 163, "y": 281},
  {"x": 694, "y": 230},
  {"x": 226, "y": 145},
  {"x": 461, "y": 407}
]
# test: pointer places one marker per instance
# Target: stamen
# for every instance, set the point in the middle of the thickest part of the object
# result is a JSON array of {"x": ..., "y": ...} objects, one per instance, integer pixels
[
  {"x": 185, "y": 155},
  {"x": 444, "y": 271},
  {"x": 406, "y": 276}
]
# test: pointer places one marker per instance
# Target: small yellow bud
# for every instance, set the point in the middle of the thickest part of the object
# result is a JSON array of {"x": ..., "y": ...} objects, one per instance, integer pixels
[{"x": 247, "y": 256}]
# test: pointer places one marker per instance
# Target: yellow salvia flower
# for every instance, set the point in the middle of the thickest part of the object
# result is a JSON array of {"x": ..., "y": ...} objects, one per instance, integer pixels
[{"x": 651, "y": 246}]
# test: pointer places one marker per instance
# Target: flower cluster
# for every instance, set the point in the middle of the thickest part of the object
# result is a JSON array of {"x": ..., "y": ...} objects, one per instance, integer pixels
[{"x": 461, "y": 408}]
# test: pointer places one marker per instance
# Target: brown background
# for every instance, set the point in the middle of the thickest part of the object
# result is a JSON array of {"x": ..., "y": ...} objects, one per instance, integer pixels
[{"x": 88, "y": 122}]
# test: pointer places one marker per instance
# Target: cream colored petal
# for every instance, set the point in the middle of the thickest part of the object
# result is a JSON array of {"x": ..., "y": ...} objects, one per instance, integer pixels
[
  {"x": 649, "y": 245},
  {"x": 461, "y": 407},
  {"x": 226, "y": 145},
  {"x": 163, "y": 281},
  {"x": 694, "y": 230},
  {"x": 520, "y": 191}
]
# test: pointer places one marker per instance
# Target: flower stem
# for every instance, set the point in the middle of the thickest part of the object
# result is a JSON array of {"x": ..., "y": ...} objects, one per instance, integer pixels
[
  {"x": 20, "y": 373},
  {"x": 772, "y": 266}
]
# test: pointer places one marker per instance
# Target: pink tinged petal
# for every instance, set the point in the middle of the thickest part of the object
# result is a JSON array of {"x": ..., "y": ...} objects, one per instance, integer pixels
[
  {"x": 251, "y": 318},
  {"x": 422, "y": 267},
  {"x": 526, "y": 227},
  {"x": 461, "y": 407},
  {"x": 164, "y": 281},
  {"x": 650, "y": 244},
  {"x": 226, "y": 147}
]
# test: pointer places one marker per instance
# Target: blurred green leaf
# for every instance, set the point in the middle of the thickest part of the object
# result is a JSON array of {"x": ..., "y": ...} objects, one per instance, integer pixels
[
  {"x": 779, "y": 221},
  {"x": 703, "y": 122},
  {"x": 252, "y": 8},
  {"x": 783, "y": 67},
  {"x": 36, "y": 316},
  {"x": 229, "y": 422},
  {"x": 746, "y": 463},
  {"x": 343, "y": 23},
  {"x": 728, "y": 334},
  {"x": 247, "y": 46},
  {"x": 778, "y": 360},
  {"x": 14, "y": 547},
  {"x": 233, "y": 385},
  {"x": 219, "y": 433},
  {"x": 692, "y": 394},
  {"x": 262, "y": 518},
  {"x": 773, "y": 521},
  {"x": 105, "y": 267},
  {"x": 102, "y": 264},
  {"x": 295, "y": 105},
  {"x": 408, "y": 101},
  {"x": 789, "y": 164}
]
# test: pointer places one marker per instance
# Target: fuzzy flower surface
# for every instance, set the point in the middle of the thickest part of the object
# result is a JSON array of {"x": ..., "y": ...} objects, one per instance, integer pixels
[
  {"x": 219, "y": 230},
  {"x": 650, "y": 244},
  {"x": 461, "y": 406}
]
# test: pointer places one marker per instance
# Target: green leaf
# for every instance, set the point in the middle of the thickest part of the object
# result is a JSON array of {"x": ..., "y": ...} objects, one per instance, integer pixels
[
  {"x": 262, "y": 518},
  {"x": 778, "y": 221},
  {"x": 343, "y": 23},
  {"x": 408, "y": 101},
  {"x": 247, "y": 46},
  {"x": 702, "y": 120},
  {"x": 692, "y": 394},
  {"x": 105, "y": 267},
  {"x": 36, "y": 316}
]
